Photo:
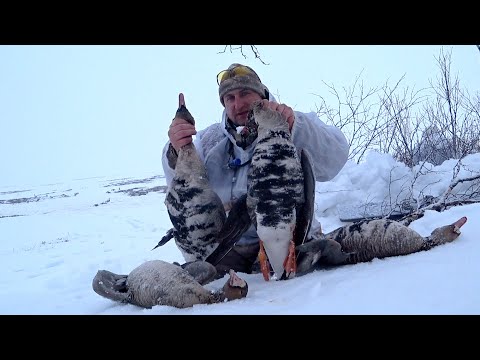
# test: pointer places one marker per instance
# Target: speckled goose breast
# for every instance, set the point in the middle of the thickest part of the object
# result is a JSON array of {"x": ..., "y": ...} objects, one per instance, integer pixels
[
  {"x": 196, "y": 211},
  {"x": 275, "y": 185}
]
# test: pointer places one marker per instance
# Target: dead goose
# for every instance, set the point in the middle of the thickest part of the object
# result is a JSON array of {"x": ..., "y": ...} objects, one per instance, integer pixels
[
  {"x": 158, "y": 282},
  {"x": 276, "y": 193},
  {"x": 196, "y": 211},
  {"x": 280, "y": 197},
  {"x": 365, "y": 240}
]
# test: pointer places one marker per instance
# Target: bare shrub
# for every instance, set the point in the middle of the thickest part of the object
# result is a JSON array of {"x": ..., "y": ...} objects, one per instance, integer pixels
[{"x": 416, "y": 127}]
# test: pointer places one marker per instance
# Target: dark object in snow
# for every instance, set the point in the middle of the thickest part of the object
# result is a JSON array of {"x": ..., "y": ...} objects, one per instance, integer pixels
[
  {"x": 369, "y": 239},
  {"x": 166, "y": 238},
  {"x": 158, "y": 282}
]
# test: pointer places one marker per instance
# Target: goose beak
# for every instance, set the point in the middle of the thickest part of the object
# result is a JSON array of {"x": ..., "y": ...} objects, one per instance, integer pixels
[
  {"x": 235, "y": 287},
  {"x": 235, "y": 280},
  {"x": 458, "y": 224}
]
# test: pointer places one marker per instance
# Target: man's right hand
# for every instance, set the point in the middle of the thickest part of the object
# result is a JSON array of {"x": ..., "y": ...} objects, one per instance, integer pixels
[{"x": 181, "y": 131}]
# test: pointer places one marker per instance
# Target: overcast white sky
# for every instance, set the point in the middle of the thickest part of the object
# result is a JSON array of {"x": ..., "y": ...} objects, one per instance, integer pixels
[{"x": 78, "y": 111}]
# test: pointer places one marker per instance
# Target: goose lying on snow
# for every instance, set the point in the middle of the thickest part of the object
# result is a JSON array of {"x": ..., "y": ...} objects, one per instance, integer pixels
[
  {"x": 158, "y": 282},
  {"x": 363, "y": 241}
]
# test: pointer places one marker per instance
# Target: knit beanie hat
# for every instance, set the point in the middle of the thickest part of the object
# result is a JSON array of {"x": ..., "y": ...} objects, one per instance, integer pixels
[{"x": 239, "y": 76}]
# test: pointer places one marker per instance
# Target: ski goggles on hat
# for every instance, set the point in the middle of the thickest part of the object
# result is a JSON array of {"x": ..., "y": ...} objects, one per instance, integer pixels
[{"x": 240, "y": 70}]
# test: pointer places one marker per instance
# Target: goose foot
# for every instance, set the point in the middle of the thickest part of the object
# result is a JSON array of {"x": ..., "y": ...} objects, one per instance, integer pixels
[
  {"x": 264, "y": 264},
  {"x": 290, "y": 263}
]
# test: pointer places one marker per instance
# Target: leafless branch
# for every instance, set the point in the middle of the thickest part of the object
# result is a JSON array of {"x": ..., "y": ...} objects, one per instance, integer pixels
[{"x": 253, "y": 48}]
